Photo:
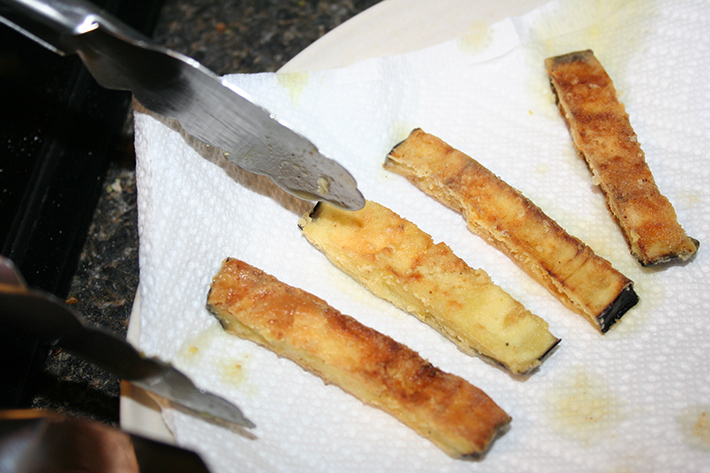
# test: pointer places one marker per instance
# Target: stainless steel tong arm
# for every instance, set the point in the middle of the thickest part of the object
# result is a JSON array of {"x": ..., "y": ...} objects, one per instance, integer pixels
[
  {"x": 42, "y": 315},
  {"x": 178, "y": 87},
  {"x": 53, "y": 23}
]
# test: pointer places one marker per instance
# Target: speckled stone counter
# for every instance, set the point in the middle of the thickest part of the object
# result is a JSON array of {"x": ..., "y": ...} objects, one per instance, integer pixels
[{"x": 226, "y": 36}]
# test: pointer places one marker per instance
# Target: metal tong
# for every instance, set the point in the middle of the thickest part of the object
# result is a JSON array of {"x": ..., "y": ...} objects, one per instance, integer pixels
[
  {"x": 45, "y": 316},
  {"x": 178, "y": 87}
]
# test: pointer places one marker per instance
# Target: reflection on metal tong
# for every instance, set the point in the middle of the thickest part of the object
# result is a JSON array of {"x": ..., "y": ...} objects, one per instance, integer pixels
[{"x": 178, "y": 87}]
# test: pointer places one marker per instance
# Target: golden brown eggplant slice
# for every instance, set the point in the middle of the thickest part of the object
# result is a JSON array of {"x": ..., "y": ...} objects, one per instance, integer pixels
[
  {"x": 455, "y": 415},
  {"x": 501, "y": 215},
  {"x": 399, "y": 262},
  {"x": 602, "y": 133}
]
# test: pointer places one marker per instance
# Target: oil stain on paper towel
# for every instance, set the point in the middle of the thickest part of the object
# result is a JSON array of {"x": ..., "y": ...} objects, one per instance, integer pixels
[
  {"x": 583, "y": 408},
  {"x": 231, "y": 369},
  {"x": 477, "y": 39},
  {"x": 294, "y": 82},
  {"x": 694, "y": 422},
  {"x": 600, "y": 25}
]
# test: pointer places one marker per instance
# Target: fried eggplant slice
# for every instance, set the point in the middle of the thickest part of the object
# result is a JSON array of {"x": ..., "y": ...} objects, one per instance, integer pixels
[
  {"x": 400, "y": 263},
  {"x": 505, "y": 218},
  {"x": 446, "y": 409},
  {"x": 602, "y": 133}
]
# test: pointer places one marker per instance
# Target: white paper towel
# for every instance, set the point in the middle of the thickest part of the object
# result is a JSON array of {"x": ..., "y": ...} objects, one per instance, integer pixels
[{"x": 636, "y": 399}]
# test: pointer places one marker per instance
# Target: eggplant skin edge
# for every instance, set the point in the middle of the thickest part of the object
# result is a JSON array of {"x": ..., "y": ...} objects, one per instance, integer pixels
[{"x": 623, "y": 303}]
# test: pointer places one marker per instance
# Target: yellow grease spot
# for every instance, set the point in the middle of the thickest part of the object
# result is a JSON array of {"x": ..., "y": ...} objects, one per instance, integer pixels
[
  {"x": 689, "y": 199},
  {"x": 601, "y": 25},
  {"x": 294, "y": 82},
  {"x": 477, "y": 39},
  {"x": 234, "y": 371},
  {"x": 201, "y": 349},
  {"x": 695, "y": 425},
  {"x": 574, "y": 25},
  {"x": 196, "y": 347},
  {"x": 583, "y": 408}
]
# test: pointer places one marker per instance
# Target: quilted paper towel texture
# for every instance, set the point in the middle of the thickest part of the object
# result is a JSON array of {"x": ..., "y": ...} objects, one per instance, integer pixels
[{"x": 637, "y": 399}]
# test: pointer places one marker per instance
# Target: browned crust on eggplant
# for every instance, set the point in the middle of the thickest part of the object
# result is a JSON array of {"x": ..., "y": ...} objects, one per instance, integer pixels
[
  {"x": 505, "y": 218},
  {"x": 455, "y": 415},
  {"x": 601, "y": 131},
  {"x": 399, "y": 262}
]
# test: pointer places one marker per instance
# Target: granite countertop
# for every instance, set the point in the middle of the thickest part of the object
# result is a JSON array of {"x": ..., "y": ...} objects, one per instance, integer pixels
[{"x": 227, "y": 36}]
